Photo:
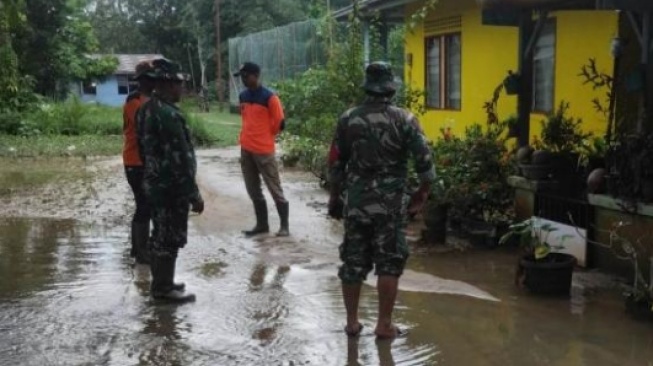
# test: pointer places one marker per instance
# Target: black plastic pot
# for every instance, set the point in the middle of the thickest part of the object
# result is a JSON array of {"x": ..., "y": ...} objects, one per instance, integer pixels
[
  {"x": 550, "y": 276},
  {"x": 639, "y": 309},
  {"x": 436, "y": 224},
  {"x": 511, "y": 84}
]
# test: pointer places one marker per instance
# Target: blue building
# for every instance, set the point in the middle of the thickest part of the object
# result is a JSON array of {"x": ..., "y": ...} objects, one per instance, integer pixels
[{"x": 113, "y": 89}]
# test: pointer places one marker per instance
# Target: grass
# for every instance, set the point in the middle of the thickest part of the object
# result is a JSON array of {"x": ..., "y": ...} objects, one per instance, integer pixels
[{"x": 100, "y": 131}]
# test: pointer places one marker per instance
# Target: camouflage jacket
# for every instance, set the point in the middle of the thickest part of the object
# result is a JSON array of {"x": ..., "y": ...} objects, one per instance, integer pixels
[
  {"x": 370, "y": 154},
  {"x": 167, "y": 153}
]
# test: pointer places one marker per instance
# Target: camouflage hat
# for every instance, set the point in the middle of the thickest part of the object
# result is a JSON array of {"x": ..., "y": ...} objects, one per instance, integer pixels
[
  {"x": 144, "y": 69},
  {"x": 379, "y": 78},
  {"x": 164, "y": 69}
]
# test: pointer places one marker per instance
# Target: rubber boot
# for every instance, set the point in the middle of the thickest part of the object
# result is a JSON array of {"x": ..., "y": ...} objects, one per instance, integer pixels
[
  {"x": 141, "y": 242},
  {"x": 163, "y": 287},
  {"x": 284, "y": 211},
  {"x": 262, "y": 226}
]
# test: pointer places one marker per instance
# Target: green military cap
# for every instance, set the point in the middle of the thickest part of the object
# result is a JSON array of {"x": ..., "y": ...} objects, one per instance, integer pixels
[
  {"x": 164, "y": 69},
  {"x": 379, "y": 78}
]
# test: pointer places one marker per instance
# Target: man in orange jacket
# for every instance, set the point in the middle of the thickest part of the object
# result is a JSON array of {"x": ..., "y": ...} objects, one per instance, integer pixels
[
  {"x": 263, "y": 119},
  {"x": 140, "y": 227}
]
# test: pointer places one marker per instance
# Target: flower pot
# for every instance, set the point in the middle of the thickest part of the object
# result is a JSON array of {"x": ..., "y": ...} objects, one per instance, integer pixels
[
  {"x": 596, "y": 181},
  {"x": 536, "y": 172},
  {"x": 638, "y": 308},
  {"x": 549, "y": 276},
  {"x": 511, "y": 84},
  {"x": 436, "y": 224},
  {"x": 525, "y": 154}
]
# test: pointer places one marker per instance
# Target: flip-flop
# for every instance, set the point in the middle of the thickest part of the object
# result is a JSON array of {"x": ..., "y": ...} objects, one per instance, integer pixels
[
  {"x": 400, "y": 334},
  {"x": 354, "y": 334}
]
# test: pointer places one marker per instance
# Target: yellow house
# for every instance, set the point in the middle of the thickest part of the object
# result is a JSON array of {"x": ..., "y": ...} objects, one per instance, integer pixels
[
  {"x": 463, "y": 49},
  {"x": 459, "y": 62}
]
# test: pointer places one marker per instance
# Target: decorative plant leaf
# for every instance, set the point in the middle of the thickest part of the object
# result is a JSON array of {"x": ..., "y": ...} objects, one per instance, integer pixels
[{"x": 542, "y": 251}]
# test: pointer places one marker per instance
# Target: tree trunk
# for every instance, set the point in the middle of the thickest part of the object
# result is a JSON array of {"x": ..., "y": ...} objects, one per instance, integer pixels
[
  {"x": 218, "y": 55},
  {"x": 202, "y": 63}
]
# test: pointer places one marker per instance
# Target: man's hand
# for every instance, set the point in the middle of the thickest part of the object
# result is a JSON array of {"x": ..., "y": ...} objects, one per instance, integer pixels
[
  {"x": 336, "y": 207},
  {"x": 198, "y": 206},
  {"x": 418, "y": 200}
]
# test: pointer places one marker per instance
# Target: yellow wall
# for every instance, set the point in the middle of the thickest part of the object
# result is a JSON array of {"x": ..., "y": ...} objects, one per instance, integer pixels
[{"x": 488, "y": 52}]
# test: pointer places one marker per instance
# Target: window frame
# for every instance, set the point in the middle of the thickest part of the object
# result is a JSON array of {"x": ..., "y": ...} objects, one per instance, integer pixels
[
  {"x": 554, "y": 23},
  {"x": 122, "y": 81},
  {"x": 444, "y": 77},
  {"x": 87, "y": 85}
]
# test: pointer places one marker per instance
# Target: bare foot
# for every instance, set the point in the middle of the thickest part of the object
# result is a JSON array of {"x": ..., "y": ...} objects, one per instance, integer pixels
[
  {"x": 390, "y": 332},
  {"x": 354, "y": 331}
]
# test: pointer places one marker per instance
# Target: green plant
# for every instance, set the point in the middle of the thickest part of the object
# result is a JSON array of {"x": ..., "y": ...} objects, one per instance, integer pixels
[
  {"x": 561, "y": 133},
  {"x": 307, "y": 153},
  {"x": 594, "y": 149},
  {"x": 533, "y": 236}
]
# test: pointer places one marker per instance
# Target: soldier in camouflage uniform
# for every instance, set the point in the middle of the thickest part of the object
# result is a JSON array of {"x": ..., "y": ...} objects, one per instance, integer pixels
[
  {"x": 369, "y": 164},
  {"x": 169, "y": 182}
]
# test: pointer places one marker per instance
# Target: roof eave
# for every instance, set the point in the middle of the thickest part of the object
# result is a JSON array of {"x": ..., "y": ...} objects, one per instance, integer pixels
[
  {"x": 369, "y": 7},
  {"x": 631, "y": 5}
]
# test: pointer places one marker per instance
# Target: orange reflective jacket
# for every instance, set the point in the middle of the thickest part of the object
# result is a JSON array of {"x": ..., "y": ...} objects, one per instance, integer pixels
[
  {"x": 263, "y": 119},
  {"x": 130, "y": 153}
]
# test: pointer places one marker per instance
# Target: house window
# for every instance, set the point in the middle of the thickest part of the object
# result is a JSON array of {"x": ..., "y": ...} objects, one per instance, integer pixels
[
  {"x": 89, "y": 87},
  {"x": 544, "y": 69},
  {"x": 443, "y": 76},
  {"x": 123, "y": 84}
]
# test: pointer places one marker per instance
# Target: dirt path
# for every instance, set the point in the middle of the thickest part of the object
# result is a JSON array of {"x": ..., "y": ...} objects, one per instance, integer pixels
[{"x": 70, "y": 296}]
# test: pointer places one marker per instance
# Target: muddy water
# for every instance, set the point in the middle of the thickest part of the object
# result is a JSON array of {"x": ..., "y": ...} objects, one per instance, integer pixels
[{"x": 70, "y": 296}]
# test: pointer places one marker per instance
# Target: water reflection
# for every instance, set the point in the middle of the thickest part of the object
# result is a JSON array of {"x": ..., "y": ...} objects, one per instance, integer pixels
[
  {"x": 31, "y": 254},
  {"x": 384, "y": 349}
]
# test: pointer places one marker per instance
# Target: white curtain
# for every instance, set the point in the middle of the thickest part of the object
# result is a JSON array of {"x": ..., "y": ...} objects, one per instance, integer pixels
[
  {"x": 453, "y": 72},
  {"x": 544, "y": 69},
  {"x": 433, "y": 77}
]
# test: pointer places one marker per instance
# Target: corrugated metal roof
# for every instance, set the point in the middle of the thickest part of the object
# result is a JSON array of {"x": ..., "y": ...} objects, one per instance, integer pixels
[
  {"x": 634, "y": 5},
  {"x": 127, "y": 63}
]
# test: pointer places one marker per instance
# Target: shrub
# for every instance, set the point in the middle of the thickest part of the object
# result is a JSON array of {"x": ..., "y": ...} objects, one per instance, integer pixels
[
  {"x": 473, "y": 171},
  {"x": 307, "y": 154}
]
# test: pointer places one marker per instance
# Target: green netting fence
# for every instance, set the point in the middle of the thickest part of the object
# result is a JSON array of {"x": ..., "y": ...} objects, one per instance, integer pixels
[{"x": 282, "y": 52}]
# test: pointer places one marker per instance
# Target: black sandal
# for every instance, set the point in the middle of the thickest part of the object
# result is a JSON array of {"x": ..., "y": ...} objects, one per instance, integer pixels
[{"x": 354, "y": 334}]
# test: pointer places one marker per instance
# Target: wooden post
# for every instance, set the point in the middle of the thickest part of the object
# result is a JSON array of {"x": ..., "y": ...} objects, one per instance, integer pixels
[
  {"x": 218, "y": 55},
  {"x": 525, "y": 96}
]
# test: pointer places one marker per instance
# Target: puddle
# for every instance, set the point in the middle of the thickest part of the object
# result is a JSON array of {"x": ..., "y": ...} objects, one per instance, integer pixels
[{"x": 70, "y": 296}]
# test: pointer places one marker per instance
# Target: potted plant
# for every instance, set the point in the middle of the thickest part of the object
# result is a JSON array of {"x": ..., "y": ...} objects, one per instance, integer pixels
[
  {"x": 564, "y": 138},
  {"x": 540, "y": 270},
  {"x": 639, "y": 297}
]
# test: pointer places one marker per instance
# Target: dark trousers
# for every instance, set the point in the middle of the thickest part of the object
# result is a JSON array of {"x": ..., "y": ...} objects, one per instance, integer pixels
[
  {"x": 135, "y": 176},
  {"x": 255, "y": 166}
]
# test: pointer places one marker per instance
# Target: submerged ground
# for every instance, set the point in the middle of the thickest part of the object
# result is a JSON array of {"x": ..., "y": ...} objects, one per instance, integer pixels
[{"x": 69, "y": 294}]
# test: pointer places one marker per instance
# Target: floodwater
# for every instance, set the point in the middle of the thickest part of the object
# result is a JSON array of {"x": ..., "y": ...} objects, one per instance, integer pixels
[{"x": 69, "y": 294}]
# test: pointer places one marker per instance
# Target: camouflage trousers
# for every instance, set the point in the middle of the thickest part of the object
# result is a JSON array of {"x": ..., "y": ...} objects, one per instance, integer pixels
[
  {"x": 170, "y": 231},
  {"x": 378, "y": 244}
]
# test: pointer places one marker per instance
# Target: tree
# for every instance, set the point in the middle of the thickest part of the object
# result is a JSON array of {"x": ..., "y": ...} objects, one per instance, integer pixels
[{"x": 53, "y": 46}]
